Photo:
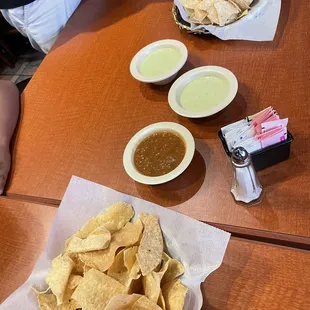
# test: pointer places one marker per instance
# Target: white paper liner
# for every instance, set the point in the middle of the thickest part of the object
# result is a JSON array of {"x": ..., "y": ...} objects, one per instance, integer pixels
[{"x": 200, "y": 247}]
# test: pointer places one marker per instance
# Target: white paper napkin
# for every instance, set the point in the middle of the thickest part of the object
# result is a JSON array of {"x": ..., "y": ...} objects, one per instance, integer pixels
[
  {"x": 198, "y": 246},
  {"x": 259, "y": 25}
]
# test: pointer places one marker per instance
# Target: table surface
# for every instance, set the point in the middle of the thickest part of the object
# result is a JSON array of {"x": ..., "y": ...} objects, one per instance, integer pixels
[
  {"x": 252, "y": 276},
  {"x": 82, "y": 107},
  {"x": 24, "y": 228}
]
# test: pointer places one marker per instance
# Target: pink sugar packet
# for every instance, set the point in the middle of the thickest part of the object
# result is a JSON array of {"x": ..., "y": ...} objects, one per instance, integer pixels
[
  {"x": 272, "y": 136},
  {"x": 273, "y": 124},
  {"x": 263, "y": 116}
]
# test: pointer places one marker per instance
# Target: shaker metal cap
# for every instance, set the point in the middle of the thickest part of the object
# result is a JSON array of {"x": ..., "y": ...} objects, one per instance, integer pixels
[{"x": 240, "y": 156}]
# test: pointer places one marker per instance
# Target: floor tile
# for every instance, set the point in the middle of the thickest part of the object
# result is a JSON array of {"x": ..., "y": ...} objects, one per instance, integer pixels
[
  {"x": 31, "y": 67},
  {"x": 20, "y": 66},
  {"x": 22, "y": 78}
]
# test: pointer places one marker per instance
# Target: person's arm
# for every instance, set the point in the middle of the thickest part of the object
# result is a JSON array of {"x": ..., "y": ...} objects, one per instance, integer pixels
[{"x": 9, "y": 110}]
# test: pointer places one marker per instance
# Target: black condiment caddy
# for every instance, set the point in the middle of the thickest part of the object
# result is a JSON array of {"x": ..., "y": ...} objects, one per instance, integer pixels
[{"x": 268, "y": 156}]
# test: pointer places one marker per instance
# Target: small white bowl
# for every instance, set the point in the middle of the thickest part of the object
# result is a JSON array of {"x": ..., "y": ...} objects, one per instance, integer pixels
[
  {"x": 178, "y": 86},
  {"x": 163, "y": 79},
  {"x": 128, "y": 157}
]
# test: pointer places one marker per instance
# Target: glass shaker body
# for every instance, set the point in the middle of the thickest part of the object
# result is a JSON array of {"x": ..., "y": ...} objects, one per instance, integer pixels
[{"x": 245, "y": 184}]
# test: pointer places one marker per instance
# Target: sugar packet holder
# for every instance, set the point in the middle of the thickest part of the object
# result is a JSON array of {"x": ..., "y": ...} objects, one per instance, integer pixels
[
  {"x": 260, "y": 24},
  {"x": 268, "y": 156}
]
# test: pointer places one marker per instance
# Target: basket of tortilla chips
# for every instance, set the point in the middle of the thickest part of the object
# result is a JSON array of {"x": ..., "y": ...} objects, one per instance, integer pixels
[
  {"x": 214, "y": 12},
  {"x": 113, "y": 264},
  {"x": 254, "y": 20},
  {"x": 131, "y": 255}
]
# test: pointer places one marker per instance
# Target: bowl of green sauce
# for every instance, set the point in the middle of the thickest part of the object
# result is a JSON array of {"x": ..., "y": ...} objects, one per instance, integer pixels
[
  {"x": 159, "y": 62},
  {"x": 203, "y": 92}
]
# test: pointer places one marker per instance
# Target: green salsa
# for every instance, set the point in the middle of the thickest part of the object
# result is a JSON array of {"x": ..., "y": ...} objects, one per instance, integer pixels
[
  {"x": 204, "y": 93},
  {"x": 160, "y": 62}
]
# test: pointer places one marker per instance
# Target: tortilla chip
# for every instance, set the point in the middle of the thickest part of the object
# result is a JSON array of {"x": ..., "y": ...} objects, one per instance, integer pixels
[
  {"x": 78, "y": 268},
  {"x": 134, "y": 272},
  {"x": 174, "y": 294},
  {"x": 87, "y": 229},
  {"x": 152, "y": 283},
  {"x": 161, "y": 301},
  {"x": 192, "y": 19},
  {"x": 227, "y": 12},
  {"x": 213, "y": 16},
  {"x": 118, "y": 265},
  {"x": 190, "y": 4},
  {"x": 67, "y": 243},
  {"x": 208, "y": 6},
  {"x": 116, "y": 216},
  {"x": 102, "y": 260},
  {"x": 58, "y": 276},
  {"x": 47, "y": 302},
  {"x": 243, "y": 4},
  {"x": 84, "y": 232},
  {"x": 136, "y": 286},
  {"x": 130, "y": 257},
  {"x": 134, "y": 281},
  {"x": 151, "y": 286},
  {"x": 199, "y": 13},
  {"x": 206, "y": 21},
  {"x": 144, "y": 303},
  {"x": 96, "y": 289},
  {"x": 129, "y": 234},
  {"x": 174, "y": 269},
  {"x": 122, "y": 278},
  {"x": 86, "y": 269},
  {"x": 118, "y": 270},
  {"x": 125, "y": 267},
  {"x": 244, "y": 13},
  {"x": 151, "y": 247},
  {"x": 70, "y": 305},
  {"x": 74, "y": 281},
  {"x": 190, "y": 12},
  {"x": 114, "y": 219},
  {"x": 99, "y": 239},
  {"x": 122, "y": 302}
]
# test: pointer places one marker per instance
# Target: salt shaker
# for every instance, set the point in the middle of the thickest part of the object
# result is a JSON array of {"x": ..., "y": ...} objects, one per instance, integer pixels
[{"x": 245, "y": 185}]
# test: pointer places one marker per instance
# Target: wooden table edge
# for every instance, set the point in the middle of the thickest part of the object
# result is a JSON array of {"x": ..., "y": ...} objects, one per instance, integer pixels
[{"x": 275, "y": 238}]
